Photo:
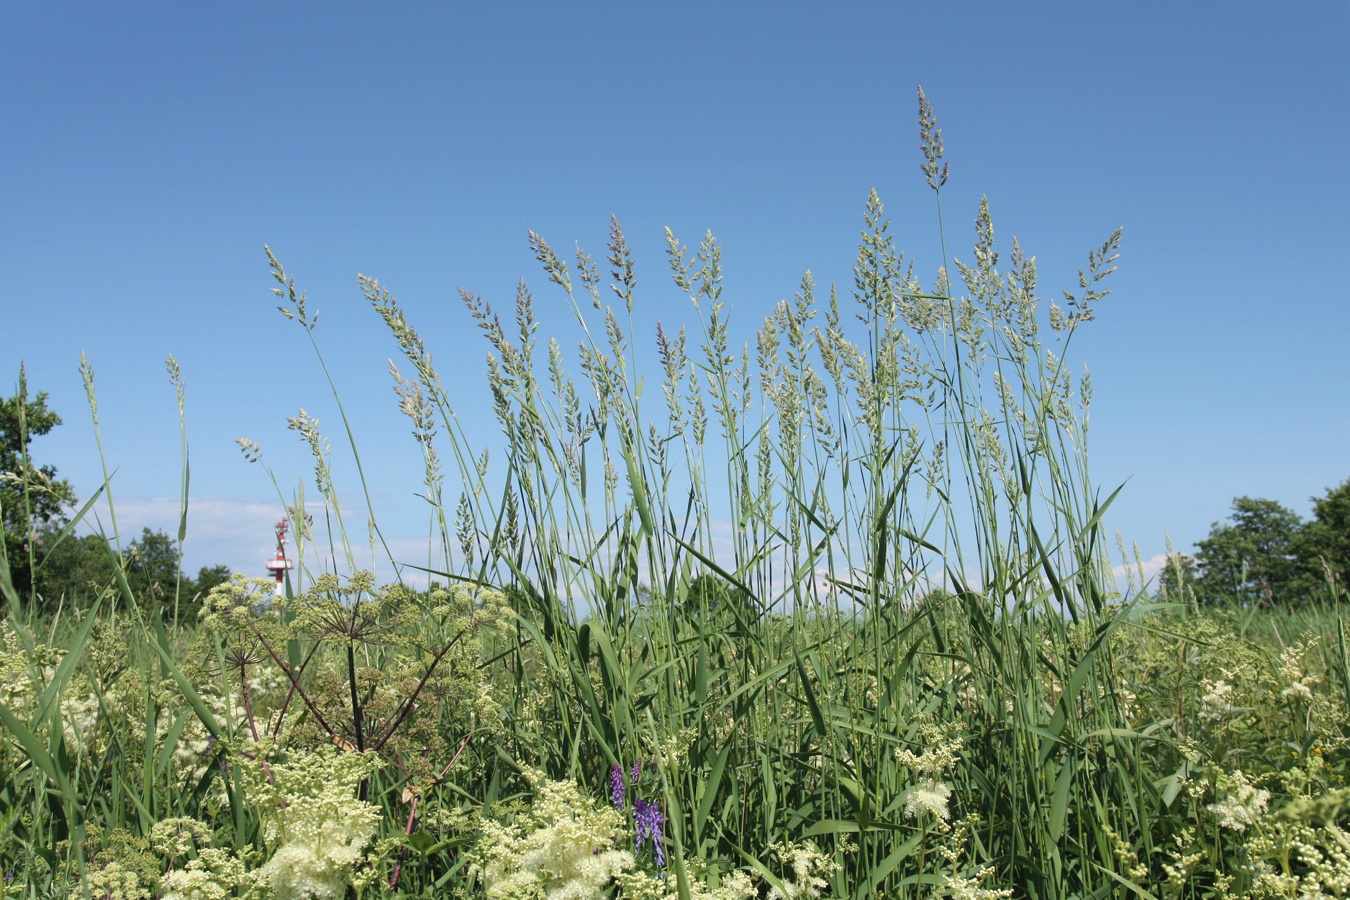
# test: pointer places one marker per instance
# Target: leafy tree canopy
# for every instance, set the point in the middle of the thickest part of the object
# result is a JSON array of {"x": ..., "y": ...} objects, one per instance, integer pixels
[
  {"x": 30, "y": 495},
  {"x": 1326, "y": 539},
  {"x": 1254, "y": 557},
  {"x": 1176, "y": 581},
  {"x": 78, "y": 568},
  {"x": 54, "y": 568}
]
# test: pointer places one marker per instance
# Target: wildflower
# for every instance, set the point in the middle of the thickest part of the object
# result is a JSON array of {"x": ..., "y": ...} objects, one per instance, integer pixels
[
  {"x": 972, "y": 888},
  {"x": 616, "y": 786},
  {"x": 213, "y": 875},
  {"x": 319, "y": 829},
  {"x": 559, "y": 847},
  {"x": 116, "y": 882},
  {"x": 929, "y": 797},
  {"x": 940, "y": 754},
  {"x": 1299, "y": 683},
  {"x": 806, "y": 871},
  {"x": 648, "y": 821},
  {"x": 1216, "y": 703},
  {"x": 1242, "y": 806}
]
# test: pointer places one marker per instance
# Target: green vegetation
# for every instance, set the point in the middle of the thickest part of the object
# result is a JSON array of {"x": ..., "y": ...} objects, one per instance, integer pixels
[
  {"x": 31, "y": 496},
  {"x": 840, "y": 623},
  {"x": 1266, "y": 555},
  {"x": 51, "y": 567}
]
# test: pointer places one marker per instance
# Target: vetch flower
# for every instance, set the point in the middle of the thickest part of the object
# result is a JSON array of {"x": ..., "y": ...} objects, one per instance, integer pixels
[
  {"x": 648, "y": 821},
  {"x": 616, "y": 786}
]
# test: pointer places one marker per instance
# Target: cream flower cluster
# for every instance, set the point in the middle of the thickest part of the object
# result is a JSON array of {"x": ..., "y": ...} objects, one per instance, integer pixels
[
  {"x": 317, "y": 826},
  {"x": 1299, "y": 683},
  {"x": 929, "y": 797},
  {"x": 807, "y": 870},
  {"x": 563, "y": 847},
  {"x": 1242, "y": 806},
  {"x": 939, "y": 756}
]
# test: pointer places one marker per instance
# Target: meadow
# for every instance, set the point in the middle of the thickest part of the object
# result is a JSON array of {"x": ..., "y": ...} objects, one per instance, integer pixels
[{"x": 830, "y": 615}]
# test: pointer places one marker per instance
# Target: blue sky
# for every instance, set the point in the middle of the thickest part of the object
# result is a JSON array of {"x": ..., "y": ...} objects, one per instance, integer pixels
[{"x": 149, "y": 150}]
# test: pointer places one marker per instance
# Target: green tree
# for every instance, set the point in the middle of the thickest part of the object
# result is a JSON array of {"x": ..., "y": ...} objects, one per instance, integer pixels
[
  {"x": 209, "y": 577},
  {"x": 72, "y": 570},
  {"x": 30, "y": 495},
  {"x": 1254, "y": 558},
  {"x": 155, "y": 576},
  {"x": 75, "y": 569},
  {"x": 1326, "y": 539}
]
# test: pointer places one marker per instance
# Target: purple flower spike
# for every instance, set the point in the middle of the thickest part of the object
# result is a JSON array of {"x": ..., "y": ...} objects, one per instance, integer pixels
[
  {"x": 648, "y": 821},
  {"x": 616, "y": 786}
]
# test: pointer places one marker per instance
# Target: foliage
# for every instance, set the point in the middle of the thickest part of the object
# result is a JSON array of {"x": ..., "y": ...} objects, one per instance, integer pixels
[
  {"x": 1255, "y": 559},
  {"x": 31, "y": 495},
  {"x": 1267, "y": 553},
  {"x": 75, "y": 569},
  {"x": 1177, "y": 579},
  {"x": 1325, "y": 540}
]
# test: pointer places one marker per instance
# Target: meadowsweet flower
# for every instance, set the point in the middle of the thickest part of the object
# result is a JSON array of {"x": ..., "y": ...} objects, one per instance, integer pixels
[
  {"x": 1217, "y": 701},
  {"x": 1299, "y": 683},
  {"x": 640, "y": 885},
  {"x": 1242, "y": 806},
  {"x": 562, "y": 847},
  {"x": 972, "y": 888},
  {"x": 213, "y": 875},
  {"x": 318, "y": 827},
  {"x": 929, "y": 797},
  {"x": 940, "y": 755},
  {"x": 175, "y": 838},
  {"x": 648, "y": 822},
  {"x": 807, "y": 869}
]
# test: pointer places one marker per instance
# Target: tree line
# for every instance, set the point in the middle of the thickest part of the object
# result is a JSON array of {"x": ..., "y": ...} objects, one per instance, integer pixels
[
  {"x": 46, "y": 564},
  {"x": 1265, "y": 554}
]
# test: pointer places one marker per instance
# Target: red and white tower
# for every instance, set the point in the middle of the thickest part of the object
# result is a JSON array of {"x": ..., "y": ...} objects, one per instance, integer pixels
[{"x": 278, "y": 567}]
